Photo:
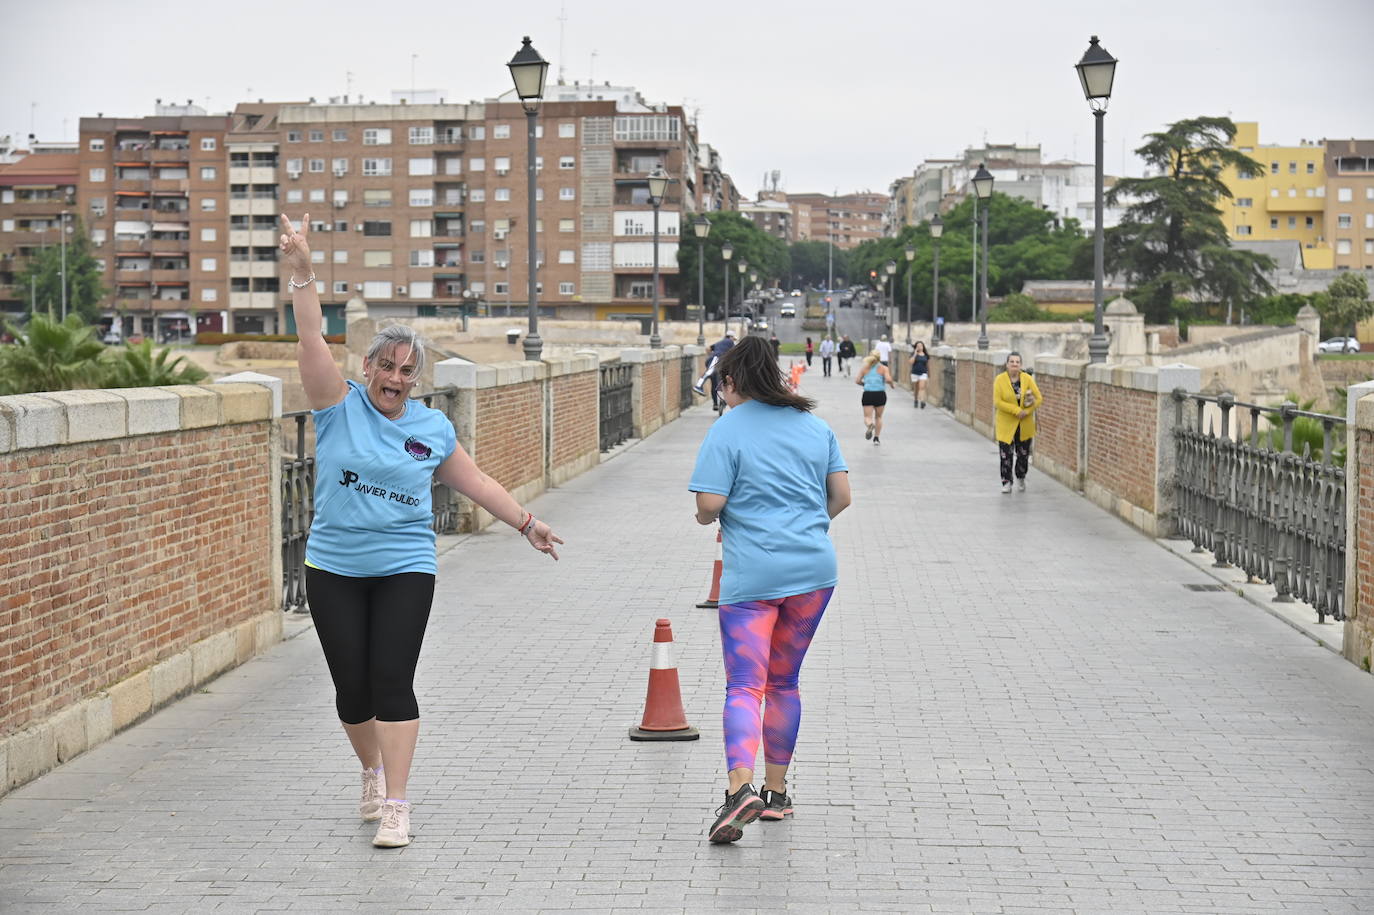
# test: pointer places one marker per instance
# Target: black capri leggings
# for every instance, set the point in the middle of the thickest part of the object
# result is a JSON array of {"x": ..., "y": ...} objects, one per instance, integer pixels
[{"x": 371, "y": 630}]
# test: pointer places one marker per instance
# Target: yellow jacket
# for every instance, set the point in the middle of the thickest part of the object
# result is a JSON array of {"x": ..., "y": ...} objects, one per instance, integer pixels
[{"x": 1004, "y": 399}]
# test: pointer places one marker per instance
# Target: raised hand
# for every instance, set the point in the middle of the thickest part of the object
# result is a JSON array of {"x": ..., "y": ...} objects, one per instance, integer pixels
[{"x": 295, "y": 248}]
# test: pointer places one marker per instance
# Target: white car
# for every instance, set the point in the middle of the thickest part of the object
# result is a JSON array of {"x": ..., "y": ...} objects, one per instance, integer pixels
[
  {"x": 1339, "y": 345},
  {"x": 787, "y": 310}
]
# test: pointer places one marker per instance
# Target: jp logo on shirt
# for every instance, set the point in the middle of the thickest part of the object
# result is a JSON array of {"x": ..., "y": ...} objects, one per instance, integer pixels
[{"x": 417, "y": 449}]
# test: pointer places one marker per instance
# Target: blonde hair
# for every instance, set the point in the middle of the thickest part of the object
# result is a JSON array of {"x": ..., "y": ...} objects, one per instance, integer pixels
[{"x": 869, "y": 361}]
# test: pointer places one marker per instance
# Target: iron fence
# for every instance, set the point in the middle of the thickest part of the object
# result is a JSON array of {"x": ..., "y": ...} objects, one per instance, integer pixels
[
  {"x": 687, "y": 376},
  {"x": 298, "y": 500},
  {"x": 617, "y": 404},
  {"x": 1276, "y": 514}
]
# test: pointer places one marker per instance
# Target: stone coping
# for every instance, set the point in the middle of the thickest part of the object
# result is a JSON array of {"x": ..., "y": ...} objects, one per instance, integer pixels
[
  {"x": 651, "y": 355},
  {"x": 70, "y": 417},
  {"x": 1364, "y": 412},
  {"x": 1057, "y": 367},
  {"x": 461, "y": 373},
  {"x": 1358, "y": 413},
  {"x": 1157, "y": 379}
]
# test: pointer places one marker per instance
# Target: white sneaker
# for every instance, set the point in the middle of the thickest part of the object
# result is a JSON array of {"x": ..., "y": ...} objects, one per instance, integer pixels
[
  {"x": 1006, "y": 487},
  {"x": 1021, "y": 485},
  {"x": 374, "y": 793},
  {"x": 394, "y": 832}
]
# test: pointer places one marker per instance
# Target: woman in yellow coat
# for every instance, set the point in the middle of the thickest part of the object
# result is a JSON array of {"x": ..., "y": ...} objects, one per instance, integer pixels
[{"x": 1016, "y": 398}]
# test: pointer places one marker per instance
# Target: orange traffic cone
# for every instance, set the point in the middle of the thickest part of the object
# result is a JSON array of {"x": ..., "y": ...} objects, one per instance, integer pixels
[
  {"x": 664, "y": 718},
  {"x": 713, "y": 600}
]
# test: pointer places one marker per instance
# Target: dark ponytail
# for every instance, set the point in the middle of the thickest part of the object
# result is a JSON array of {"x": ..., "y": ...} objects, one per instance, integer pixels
[{"x": 753, "y": 370}]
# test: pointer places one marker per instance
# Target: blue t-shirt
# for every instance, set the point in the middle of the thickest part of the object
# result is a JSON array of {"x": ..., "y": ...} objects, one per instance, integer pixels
[
  {"x": 372, "y": 481},
  {"x": 770, "y": 463}
]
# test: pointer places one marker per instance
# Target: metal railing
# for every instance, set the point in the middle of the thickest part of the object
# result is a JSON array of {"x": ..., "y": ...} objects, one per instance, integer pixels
[
  {"x": 298, "y": 500},
  {"x": 1277, "y": 515},
  {"x": 617, "y": 404},
  {"x": 686, "y": 377}
]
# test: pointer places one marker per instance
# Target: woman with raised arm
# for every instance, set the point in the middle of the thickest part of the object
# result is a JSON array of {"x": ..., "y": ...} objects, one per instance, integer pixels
[
  {"x": 771, "y": 473},
  {"x": 370, "y": 561}
]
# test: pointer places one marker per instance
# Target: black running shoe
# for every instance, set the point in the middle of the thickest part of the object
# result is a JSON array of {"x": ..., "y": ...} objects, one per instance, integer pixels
[
  {"x": 739, "y": 810},
  {"x": 776, "y": 805}
]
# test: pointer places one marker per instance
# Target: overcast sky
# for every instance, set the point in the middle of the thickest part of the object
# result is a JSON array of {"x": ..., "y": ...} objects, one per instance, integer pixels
[{"x": 846, "y": 95}]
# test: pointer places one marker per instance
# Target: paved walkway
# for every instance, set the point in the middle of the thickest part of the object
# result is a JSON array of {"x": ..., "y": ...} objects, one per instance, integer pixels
[{"x": 1013, "y": 705}]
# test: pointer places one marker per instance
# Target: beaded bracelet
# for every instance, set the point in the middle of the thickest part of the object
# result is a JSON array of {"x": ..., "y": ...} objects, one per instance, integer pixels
[{"x": 292, "y": 284}]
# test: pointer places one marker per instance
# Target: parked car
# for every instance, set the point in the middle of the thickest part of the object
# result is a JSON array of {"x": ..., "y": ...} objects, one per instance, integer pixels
[
  {"x": 787, "y": 310},
  {"x": 1339, "y": 345}
]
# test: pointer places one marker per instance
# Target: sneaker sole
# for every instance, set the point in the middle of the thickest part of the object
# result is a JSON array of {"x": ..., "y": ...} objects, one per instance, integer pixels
[
  {"x": 773, "y": 816},
  {"x": 390, "y": 843},
  {"x": 371, "y": 817},
  {"x": 731, "y": 829}
]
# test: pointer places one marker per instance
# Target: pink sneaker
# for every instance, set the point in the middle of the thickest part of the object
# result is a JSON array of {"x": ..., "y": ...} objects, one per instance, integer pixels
[
  {"x": 374, "y": 793},
  {"x": 395, "y": 829}
]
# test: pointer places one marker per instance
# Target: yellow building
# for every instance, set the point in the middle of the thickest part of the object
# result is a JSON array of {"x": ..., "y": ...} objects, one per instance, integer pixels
[{"x": 1287, "y": 200}]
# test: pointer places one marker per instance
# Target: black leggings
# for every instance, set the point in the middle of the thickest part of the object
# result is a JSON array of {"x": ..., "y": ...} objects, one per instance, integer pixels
[{"x": 371, "y": 630}]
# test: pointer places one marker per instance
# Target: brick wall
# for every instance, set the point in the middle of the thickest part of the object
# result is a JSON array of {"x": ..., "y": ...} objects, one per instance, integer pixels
[
  {"x": 986, "y": 366},
  {"x": 509, "y": 440},
  {"x": 1057, "y": 420},
  {"x": 963, "y": 387},
  {"x": 651, "y": 396},
  {"x": 1358, "y": 644},
  {"x": 574, "y": 416},
  {"x": 1121, "y": 442}
]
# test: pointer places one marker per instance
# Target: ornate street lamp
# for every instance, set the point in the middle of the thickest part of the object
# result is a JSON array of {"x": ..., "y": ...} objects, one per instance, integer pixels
[
  {"x": 910, "y": 253},
  {"x": 1096, "y": 71},
  {"x": 937, "y": 228},
  {"x": 982, "y": 189},
  {"x": 890, "y": 268},
  {"x": 743, "y": 267},
  {"x": 658, "y": 186},
  {"x": 727, "y": 251},
  {"x": 702, "y": 227},
  {"x": 528, "y": 70}
]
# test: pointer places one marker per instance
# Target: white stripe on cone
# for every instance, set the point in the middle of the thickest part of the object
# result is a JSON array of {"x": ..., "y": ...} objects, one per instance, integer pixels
[{"x": 661, "y": 658}]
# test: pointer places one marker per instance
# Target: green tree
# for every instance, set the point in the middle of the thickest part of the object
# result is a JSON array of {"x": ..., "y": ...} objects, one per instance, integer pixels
[
  {"x": 138, "y": 366},
  {"x": 1171, "y": 241},
  {"x": 1346, "y": 303},
  {"x": 766, "y": 254},
  {"x": 51, "y": 356},
  {"x": 43, "y": 275},
  {"x": 1016, "y": 308},
  {"x": 813, "y": 263}
]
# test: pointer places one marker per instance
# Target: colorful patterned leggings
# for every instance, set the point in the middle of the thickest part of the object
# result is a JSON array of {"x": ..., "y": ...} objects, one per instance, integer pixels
[{"x": 764, "y": 642}]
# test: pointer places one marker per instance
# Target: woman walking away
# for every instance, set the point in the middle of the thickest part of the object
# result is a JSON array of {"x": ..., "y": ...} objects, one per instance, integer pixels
[
  {"x": 920, "y": 374},
  {"x": 1016, "y": 397},
  {"x": 810, "y": 351},
  {"x": 875, "y": 379},
  {"x": 772, "y": 474},
  {"x": 370, "y": 562}
]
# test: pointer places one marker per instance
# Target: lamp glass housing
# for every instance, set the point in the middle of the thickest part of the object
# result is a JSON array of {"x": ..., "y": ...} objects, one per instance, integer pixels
[
  {"x": 982, "y": 183},
  {"x": 727, "y": 251},
  {"x": 890, "y": 267},
  {"x": 658, "y": 186},
  {"x": 910, "y": 252},
  {"x": 528, "y": 70},
  {"x": 937, "y": 227},
  {"x": 1096, "y": 71},
  {"x": 701, "y": 226}
]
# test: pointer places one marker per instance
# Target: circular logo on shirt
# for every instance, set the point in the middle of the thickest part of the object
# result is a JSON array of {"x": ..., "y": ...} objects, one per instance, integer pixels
[{"x": 417, "y": 449}]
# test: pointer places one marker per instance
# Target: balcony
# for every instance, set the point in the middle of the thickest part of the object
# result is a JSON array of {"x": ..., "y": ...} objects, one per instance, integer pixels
[
  {"x": 171, "y": 185},
  {"x": 257, "y": 206},
  {"x": 253, "y": 268},
  {"x": 171, "y": 276},
  {"x": 1295, "y": 204},
  {"x": 253, "y": 300},
  {"x": 130, "y": 245}
]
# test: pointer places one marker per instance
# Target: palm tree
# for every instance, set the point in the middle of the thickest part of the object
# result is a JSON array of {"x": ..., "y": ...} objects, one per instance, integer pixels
[
  {"x": 137, "y": 366},
  {"x": 51, "y": 356}
]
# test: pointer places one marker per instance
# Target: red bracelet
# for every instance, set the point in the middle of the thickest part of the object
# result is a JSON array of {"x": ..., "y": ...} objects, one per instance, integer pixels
[{"x": 525, "y": 523}]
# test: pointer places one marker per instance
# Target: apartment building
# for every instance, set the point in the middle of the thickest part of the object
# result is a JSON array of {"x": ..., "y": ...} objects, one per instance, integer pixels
[
  {"x": 1284, "y": 201},
  {"x": 1349, "y": 217},
  {"x": 37, "y": 187},
  {"x": 771, "y": 214},
  {"x": 848, "y": 219}
]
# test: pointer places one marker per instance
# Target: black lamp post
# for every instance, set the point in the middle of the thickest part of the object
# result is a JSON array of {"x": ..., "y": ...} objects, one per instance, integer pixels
[
  {"x": 910, "y": 256},
  {"x": 702, "y": 227},
  {"x": 937, "y": 228},
  {"x": 727, "y": 251},
  {"x": 743, "y": 267},
  {"x": 890, "y": 268},
  {"x": 1096, "y": 71},
  {"x": 982, "y": 189},
  {"x": 658, "y": 186},
  {"x": 528, "y": 70}
]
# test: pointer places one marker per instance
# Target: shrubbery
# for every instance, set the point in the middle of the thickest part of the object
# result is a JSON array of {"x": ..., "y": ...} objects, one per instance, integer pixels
[{"x": 63, "y": 356}]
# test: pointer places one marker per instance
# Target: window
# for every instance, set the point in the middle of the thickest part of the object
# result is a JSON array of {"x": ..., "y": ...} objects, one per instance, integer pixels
[
  {"x": 207, "y": 234},
  {"x": 422, "y": 290},
  {"x": 1309, "y": 192},
  {"x": 567, "y": 129},
  {"x": 1242, "y": 230},
  {"x": 7, "y": 225},
  {"x": 1292, "y": 222},
  {"x": 567, "y": 289},
  {"x": 316, "y": 166},
  {"x": 477, "y": 165},
  {"x": 1244, "y": 202},
  {"x": 1309, "y": 222},
  {"x": 341, "y": 225},
  {"x": 1292, "y": 192},
  {"x": 316, "y": 136},
  {"x": 500, "y": 131},
  {"x": 319, "y": 286},
  {"x": 1344, "y": 195},
  {"x": 567, "y": 162},
  {"x": 207, "y": 144},
  {"x": 208, "y": 173},
  {"x": 567, "y": 193},
  {"x": 340, "y": 136},
  {"x": 340, "y": 256},
  {"x": 376, "y": 227},
  {"x": 317, "y": 195},
  {"x": 1273, "y": 192},
  {"x": 295, "y": 195},
  {"x": 477, "y": 257},
  {"x": 477, "y": 195},
  {"x": 341, "y": 165},
  {"x": 539, "y": 195},
  {"x": 317, "y": 257},
  {"x": 1292, "y": 168},
  {"x": 340, "y": 287},
  {"x": 97, "y": 144},
  {"x": 421, "y": 167},
  {"x": 567, "y": 256},
  {"x": 567, "y": 225},
  {"x": 421, "y": 228},
  {"x": 293, "y": 136},
  {"x": 7, "y": 195},
  {"x": 1342, "y": 246},
  {"x": 1311, "y": 168},
  {"x": 207, "y": 204},
  {"x": 209, "y": 295},
  {"x": 295, "y": 165},
  {"x": 97, "y": 174},
  {"x": 479, "y": 287},
  {"x": 421, "y": 136},
  {"x": 500, "y": 288},
  {"x": 1343, "y": 221},
  {"x": 423, "y": 258},
  {"x": 208, "y": 264},
  {"x": 341, "y": 198},
  {"x": 1274, "y": 222},
  {"x": 501, "y": 164},
  {"x": 1369, "y": 193},
  {"x": 377, "y": 289},
  {"x": 1273, "y": 168},
  {"x": 453, "y": 165},
  {"x": 477, "y": 132},
  {"x": 377, "y": 258},
  {"x": 377, "y": 136},
  {"x": 478, "y": 226},
  {"x": 378, "y": 168},
  {"x": 422, "y": 196},
  {"x": 1369, "y": 246},
  {"x": 1369, "y": 220},
  {"x": 502, "y": 193}
]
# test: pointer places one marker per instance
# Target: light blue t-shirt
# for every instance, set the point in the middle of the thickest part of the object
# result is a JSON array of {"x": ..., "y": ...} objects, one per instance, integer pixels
[
  {"x": 372, "y": 481},
  {"x": 873, "y": 380},
  {"x": 770, "y": 463}
]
